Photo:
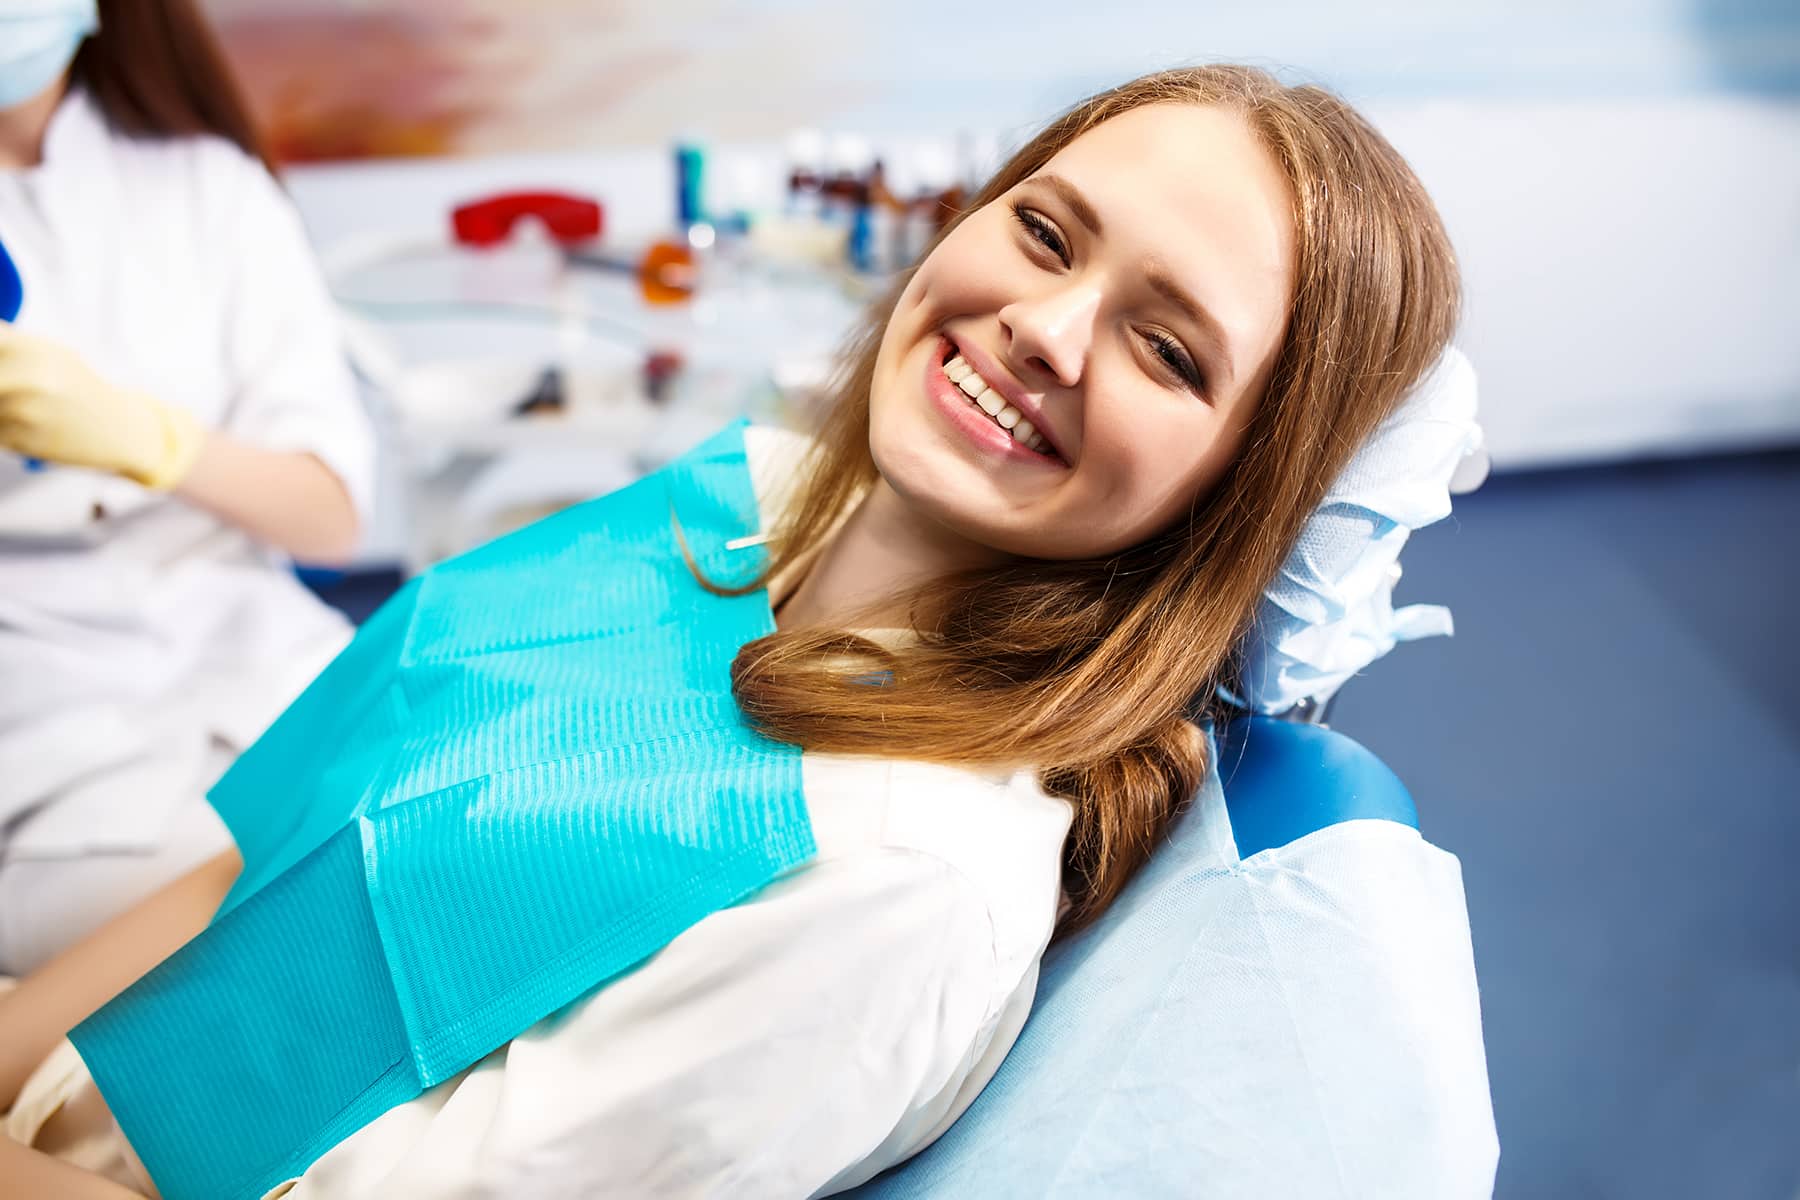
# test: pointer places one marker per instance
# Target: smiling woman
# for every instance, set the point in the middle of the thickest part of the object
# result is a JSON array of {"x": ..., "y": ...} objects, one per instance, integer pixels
[
  {"x": 1203, "y": 290},
  {"x": 1071, "y": 297},
  {"x": 528, "y": 908}
]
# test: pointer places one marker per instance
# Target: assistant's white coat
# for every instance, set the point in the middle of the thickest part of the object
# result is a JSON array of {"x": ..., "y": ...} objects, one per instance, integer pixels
[{"x": 143, "y": 641}]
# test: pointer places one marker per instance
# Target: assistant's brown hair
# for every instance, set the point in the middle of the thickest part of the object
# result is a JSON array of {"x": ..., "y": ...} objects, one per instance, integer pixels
[
  {"x": 1088, "y": 670},
  {"x": 155, "y": 68}
]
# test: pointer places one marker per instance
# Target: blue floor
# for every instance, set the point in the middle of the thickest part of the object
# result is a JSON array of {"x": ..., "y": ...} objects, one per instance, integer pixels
[{"x": 1611, "y": 744}]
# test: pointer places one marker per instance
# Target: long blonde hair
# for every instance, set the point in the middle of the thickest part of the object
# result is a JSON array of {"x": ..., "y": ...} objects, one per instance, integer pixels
[{"x": 1089, "y": 670}]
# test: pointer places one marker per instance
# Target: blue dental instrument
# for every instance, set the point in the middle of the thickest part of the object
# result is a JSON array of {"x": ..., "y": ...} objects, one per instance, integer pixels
[
  {"x": 12, "y": 288},
  {"x": 12, "y": 298}
]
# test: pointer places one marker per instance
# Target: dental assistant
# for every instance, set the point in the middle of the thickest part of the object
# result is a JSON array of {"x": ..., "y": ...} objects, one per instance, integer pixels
[{"x": 177, "y": 422}]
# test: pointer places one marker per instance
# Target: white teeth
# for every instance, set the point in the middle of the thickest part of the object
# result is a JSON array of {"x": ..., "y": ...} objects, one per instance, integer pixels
[
  {"x": 980, "y": 394},
  {"x": 1029, "y": 437},
  {"x": 964, "y": 376}
]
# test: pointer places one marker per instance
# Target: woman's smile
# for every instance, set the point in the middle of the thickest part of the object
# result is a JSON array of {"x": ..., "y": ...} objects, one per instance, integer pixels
[{"x": 970, "y": 402}]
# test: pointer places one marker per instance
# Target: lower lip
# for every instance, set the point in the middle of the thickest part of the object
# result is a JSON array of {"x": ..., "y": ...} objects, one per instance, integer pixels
[{"x": 965, "y": 415}]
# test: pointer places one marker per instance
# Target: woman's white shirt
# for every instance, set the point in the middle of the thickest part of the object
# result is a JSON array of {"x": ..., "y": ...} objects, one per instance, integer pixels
[
  {"x": 794, "y": 1045},
  {"x": 133, "y": 627}
]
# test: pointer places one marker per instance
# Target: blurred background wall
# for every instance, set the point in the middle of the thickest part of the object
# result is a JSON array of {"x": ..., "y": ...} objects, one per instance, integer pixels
[{"x": 1620, "y": 176}]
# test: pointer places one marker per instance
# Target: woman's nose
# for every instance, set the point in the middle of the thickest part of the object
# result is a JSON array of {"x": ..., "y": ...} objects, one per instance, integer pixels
[{"x": 1054, "y": 330}]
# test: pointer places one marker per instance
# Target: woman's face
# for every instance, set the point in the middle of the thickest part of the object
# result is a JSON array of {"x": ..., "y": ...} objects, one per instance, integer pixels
[{"x": 1128, "y": 302}]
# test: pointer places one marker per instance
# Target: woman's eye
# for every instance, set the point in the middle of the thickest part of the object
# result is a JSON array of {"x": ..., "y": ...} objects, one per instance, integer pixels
[
  {"x": 1041, "y": 231},
  {"x": 1176, "y": 359}
]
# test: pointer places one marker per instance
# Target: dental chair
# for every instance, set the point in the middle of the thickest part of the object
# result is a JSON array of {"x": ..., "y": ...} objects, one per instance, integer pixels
[
  {"x": 1282, "y": 1002},
  {"x": 1098, "y": 1096}
]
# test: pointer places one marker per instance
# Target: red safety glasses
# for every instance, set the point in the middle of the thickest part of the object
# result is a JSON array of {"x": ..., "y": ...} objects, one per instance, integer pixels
[{"x": 488, "y": 222}]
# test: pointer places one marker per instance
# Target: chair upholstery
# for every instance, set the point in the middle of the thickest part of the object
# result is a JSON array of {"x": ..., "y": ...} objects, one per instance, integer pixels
[{"x": 1091, "y": 1053}]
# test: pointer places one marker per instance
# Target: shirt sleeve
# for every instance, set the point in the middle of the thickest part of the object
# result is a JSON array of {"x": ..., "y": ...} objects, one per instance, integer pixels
[
  {"x": 292, "y": 385},
  {"x": 790, "y": 1046}
]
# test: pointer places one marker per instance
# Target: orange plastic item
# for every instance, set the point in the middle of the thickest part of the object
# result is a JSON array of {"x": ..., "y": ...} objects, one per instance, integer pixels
[{"x": 667, "y": 273}]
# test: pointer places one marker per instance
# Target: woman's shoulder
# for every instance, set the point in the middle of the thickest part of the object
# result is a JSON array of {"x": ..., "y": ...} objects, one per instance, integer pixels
[
  {"x": 997, "y": 831},
  {"x": 208, "y": 180},
  {"x": 81, "y": 126},
  {"x": 956, "y": 813},
  {"x": 773, "y": 455},
  {"x": 774, "y": 448}
]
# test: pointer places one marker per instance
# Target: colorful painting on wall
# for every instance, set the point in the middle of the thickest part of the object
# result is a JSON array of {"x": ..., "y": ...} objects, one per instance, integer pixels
[
  {"x": 338, "y": 79},
  {"x": 335, "y": 79}
]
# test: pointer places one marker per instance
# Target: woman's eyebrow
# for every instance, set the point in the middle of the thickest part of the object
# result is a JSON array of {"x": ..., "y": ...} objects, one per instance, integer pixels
[{"x": 1070, "y": 195}]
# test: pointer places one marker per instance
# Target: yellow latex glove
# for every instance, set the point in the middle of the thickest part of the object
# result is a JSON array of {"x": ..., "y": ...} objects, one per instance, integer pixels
[{"x": 54, "y": 407}]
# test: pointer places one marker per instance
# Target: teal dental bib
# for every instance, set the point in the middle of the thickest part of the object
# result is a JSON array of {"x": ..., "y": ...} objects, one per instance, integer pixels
[{"x": 523, "y": 777}]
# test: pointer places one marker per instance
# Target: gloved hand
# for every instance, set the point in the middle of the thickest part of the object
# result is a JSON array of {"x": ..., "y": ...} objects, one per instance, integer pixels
[{"x": 54, "y": 407}]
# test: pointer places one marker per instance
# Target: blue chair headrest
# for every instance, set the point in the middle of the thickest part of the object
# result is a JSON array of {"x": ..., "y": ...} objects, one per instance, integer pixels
[{"x": 1283, "y": 780}]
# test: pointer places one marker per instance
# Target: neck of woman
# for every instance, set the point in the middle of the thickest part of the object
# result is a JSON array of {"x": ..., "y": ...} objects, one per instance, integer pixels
[
  {"x": 22, "y": 127},
  {"x": 861, "y": 576}
]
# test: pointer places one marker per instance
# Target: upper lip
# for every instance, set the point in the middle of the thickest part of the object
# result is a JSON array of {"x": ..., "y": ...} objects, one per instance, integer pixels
[{"x": 1009, "y": 389}]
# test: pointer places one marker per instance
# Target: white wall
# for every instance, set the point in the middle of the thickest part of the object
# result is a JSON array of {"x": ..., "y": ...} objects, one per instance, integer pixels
[
  {"x": 1621, "y": 177},
  {"x": 1630, "y": 265},
  {"x": 1630, "y": 268}
]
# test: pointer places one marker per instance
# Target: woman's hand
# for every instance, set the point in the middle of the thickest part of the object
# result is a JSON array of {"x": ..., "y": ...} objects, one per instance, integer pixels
[{"x": 54, "y": 407}]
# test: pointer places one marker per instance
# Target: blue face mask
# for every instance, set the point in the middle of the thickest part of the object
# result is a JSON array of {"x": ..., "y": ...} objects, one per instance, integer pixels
[{"x": 38, "y": 40}]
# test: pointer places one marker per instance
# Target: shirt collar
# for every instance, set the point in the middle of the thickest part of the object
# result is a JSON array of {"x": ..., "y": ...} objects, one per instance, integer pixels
[{"x": 77, "y": 128}]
